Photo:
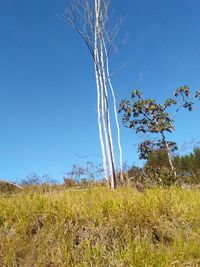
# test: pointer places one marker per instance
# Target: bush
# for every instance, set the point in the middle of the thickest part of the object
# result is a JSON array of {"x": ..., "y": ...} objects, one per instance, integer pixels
[{"x": 69, "y": 183}]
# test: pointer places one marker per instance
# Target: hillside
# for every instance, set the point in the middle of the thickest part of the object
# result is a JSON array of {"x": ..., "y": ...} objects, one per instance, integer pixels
[{"x": 99, "y": 227}]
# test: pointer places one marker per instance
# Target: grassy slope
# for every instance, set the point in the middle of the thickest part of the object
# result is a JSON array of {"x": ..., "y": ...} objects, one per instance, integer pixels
[{"x": 101, "y": 228}]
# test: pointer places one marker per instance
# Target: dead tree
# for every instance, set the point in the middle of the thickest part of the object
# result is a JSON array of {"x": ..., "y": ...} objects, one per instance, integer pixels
[{"x": 90, "y": 18}]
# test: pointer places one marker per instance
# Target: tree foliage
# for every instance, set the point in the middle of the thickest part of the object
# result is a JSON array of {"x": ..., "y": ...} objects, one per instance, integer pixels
[
  {"x": 188, "y": 164},
  {"x": 149, "y": 116}
]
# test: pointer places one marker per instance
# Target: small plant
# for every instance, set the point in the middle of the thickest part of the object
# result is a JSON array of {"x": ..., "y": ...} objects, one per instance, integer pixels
[
  {"x": 149, "y": 116},
  {"x": 69, "y": 183},
  {"x": 83, "y": 175}
]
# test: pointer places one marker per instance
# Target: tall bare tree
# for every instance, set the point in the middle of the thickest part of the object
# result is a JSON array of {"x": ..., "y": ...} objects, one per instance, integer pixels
[{"x": 90, "y": 18}]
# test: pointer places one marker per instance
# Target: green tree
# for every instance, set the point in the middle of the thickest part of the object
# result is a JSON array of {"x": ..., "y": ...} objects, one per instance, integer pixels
[
  {"x": 149, "y": 116},
  {"x": 157, "y": 159},
  {"x": 188, "y": 165}
]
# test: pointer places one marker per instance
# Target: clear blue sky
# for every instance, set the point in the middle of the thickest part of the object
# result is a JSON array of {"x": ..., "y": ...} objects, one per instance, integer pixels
[{"x": 47, "y": 86}]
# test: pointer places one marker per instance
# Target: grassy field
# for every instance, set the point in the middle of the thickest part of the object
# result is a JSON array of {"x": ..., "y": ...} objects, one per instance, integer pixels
[{"x": 99, "y": 227}]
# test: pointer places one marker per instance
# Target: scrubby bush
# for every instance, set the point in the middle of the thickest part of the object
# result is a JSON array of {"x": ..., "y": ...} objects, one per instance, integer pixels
[{"x": 69, "y": 182}]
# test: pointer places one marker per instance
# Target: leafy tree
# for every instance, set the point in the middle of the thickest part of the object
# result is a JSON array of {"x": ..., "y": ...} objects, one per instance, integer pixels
[
  {"x": 149, "y": 116},
  {"x": 157, "y": 159}
]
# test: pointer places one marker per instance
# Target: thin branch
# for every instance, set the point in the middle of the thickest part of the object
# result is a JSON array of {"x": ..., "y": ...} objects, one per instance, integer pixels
[
  {"x": 115, "y": 72},
  {"x": 7, "y": 182}
]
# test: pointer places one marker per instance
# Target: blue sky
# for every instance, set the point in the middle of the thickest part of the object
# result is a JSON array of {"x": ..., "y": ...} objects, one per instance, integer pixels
[{"x": 47, "y": 86}]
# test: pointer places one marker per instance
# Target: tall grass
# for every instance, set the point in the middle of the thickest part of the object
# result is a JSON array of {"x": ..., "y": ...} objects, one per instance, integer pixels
[{"x": 99, "y": 227}]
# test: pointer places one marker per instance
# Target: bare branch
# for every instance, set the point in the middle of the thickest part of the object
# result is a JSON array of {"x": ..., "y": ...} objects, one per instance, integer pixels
[
  {"x": 115, "y": 72},
  {"x": 7, "y": 182}
]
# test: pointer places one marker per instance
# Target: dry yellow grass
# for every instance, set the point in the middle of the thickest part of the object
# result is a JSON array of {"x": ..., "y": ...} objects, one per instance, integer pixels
[{"x": 99, "y": 227}]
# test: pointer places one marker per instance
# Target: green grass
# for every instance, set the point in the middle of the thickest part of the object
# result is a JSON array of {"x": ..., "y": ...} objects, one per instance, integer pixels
[{"x": 99, "y": 227}]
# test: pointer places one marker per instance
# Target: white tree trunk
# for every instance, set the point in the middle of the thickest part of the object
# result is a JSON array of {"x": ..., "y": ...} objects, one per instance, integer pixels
[
  {"x": 107, "y": 120},
  {"x": 104, "y": 96},
  {"x": 169, "y": 156},
  {"x": 105, "y": 126},
  {"x": 99, "y": 94},
  {"x": 115, "y": 111}
]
